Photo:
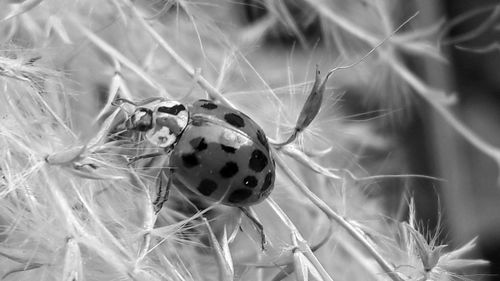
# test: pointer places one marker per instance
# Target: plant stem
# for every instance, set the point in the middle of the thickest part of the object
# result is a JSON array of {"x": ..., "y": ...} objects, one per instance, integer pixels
[
  {"x": 426, "y": 92},
  {"x": 354, "y": 232},
  {"x": 212, "y": 91},
  {"x": 297, "y": 237}
]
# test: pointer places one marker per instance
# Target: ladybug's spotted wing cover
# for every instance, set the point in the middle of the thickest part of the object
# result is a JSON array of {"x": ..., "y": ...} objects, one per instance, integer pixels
[
  {"x": 223, "y": 155},
  {"x": 234, "y": 118}
]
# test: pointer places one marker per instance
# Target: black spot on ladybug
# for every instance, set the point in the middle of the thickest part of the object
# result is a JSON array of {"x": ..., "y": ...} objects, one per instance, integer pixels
[
  {"x": 267, "y": 184},
  {"x": 209, "y": 105},
  {"x": 174, "y": 110},
  {"x": 235, "y": 120},
  {"x": 190, "y": 160},
  {"x": 250, "y": 181},
  {"x": 207, "y": 187},
  {"x": 262, "y": 138},
  {"x": 198, "y": 144},
  {"x": 228, "y": 149},
  {"x": 258, "y": 161},
  {"x": 230, "y": 169},
  {"x": 239, "y": 195}
]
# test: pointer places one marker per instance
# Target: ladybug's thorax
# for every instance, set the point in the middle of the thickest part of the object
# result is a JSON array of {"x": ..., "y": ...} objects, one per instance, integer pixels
[{"x": 170, "y": 118}]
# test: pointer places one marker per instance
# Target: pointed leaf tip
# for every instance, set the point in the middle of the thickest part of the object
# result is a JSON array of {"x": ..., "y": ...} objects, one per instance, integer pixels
[
  {"x": 224, "y": 261},
  {"x": 66, "y": 156},
  {"x": 300, "y": 265}
]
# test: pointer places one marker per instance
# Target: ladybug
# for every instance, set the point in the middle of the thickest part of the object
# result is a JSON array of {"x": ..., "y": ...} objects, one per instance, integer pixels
[{"x": 215, "y": 152}]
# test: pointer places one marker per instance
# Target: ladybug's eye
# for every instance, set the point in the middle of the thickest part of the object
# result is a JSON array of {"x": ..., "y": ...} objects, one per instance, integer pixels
[{"x": 141, "y": 120}]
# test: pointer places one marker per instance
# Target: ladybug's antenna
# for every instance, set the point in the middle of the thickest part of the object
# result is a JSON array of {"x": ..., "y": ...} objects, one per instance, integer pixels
[{"x": 120, "y": 101}]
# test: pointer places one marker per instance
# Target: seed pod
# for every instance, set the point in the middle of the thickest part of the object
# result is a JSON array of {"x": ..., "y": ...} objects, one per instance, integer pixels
[{"x": 311, "y": 106}]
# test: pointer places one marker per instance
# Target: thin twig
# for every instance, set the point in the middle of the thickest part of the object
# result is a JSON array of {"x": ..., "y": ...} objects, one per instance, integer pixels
[
  {"x": 297, "y": 237},
  {"x": 115, "y": 54},
  {"x": 355, "y": 233},
  {"x": 212, "y": 91},
  {"x": 402, "y": 176},
  {"x": 426, "y": 92}
]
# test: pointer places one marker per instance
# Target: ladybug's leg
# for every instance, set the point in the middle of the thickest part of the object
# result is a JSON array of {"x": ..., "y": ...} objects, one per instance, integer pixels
[
  {"x": 163, "y": 184},
  {"x": 260, "y": 228}
]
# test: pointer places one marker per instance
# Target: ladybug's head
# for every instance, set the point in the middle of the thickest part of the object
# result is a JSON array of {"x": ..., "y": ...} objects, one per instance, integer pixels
[
  {"x": 169, "y": 120},
  {"x": 141, "y": 120}
]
